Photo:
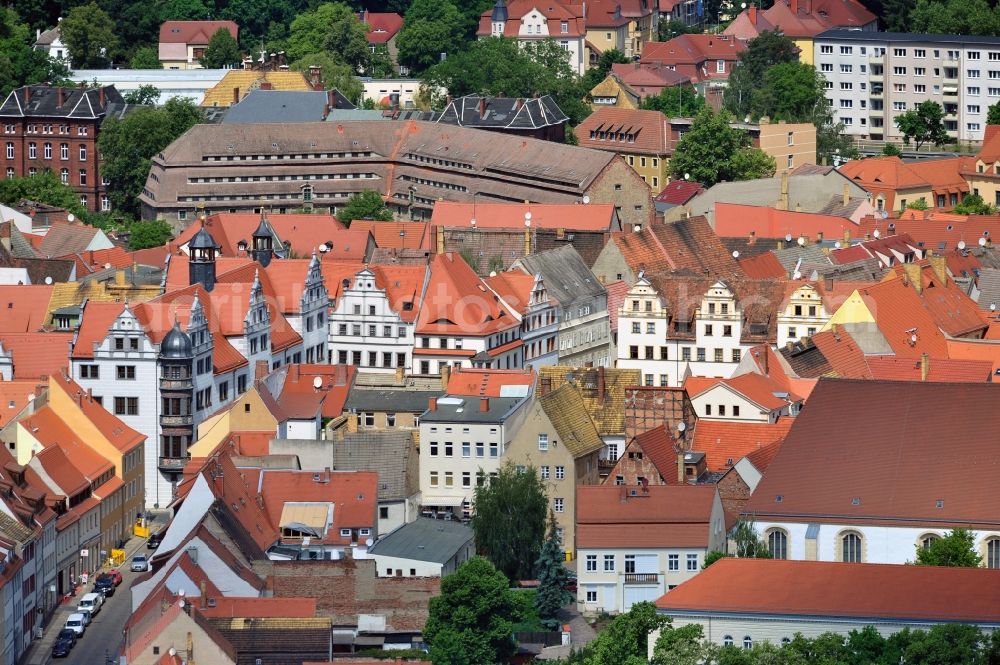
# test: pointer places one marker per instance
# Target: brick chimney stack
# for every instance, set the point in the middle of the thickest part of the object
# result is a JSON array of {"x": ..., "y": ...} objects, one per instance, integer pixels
[
  {"x": 484, "y": 404},
  {"x": 925, "y": 366},
  {"x": 752, "y": 14}
]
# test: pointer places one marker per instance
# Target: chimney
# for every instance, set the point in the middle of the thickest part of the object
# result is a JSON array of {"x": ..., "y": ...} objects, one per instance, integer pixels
[
  {"x": 260, "y": 370},
  {"x": 680, "y": 467},
  {"x": 546, "y": 384},
  {"x": 911, "y": 272},
  {"x": 847, "y": 194},
  {"x": 783, "y": 202},
  {"x": 600, "y": 385},
  {"x": 315, "y": 80},
  {"x": 752, "y": 14},
  {"x": 939, "y": 266},
  {"x": 432, "y": 404},
  {"x": 925, "y": 366},
  {"x": 352, "y": 423},
  {"x": 819, "y": 236},
  {"x": 266, "y": 85},
  {"x": 440, "y": 240},
  {"x": 27, "y": 95},
  {"x": 400, "y": 375},
  {"x": 519, "y": 104},
  {"x": 847, "y": 237},
  {"x": 59, "y": 97},
  {"x": 293, "y": 372},
  {"x": 795, "y": 7},
  {"x": 236, "y": 95},
  {"x": 120, "y": 277},
  {"x": 482, "y": 108},
  {"x": 100, "y": 96},
  {"x": 763, "y": 365},
  {"x": 204, "y": 595},
  {"x": 527, "y": 240},
  {"x": 445, "y": 377},
  {"x": 484, "y": 404}
]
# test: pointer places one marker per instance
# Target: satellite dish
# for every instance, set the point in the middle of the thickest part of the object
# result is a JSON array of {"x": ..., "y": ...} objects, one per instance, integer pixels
[
  {"x": 172, "y": 651},
  {"x": 493, "y": 273},
  {"x": 369, "y": 542},
  {"x": 71, "y": 217},
  {"x": 317, "y": 383},
  {"x": 788, "y": 237},
  {"x": 913, "y": 338},
  {"x": 687, "y": 176},
  {"x": 107, "y": 266},
  {"x": 802, "y": 241},
  {"x": 527, "y": 219},
  {"x": 885, "y": 214},
  {"x": 982, "y": 242},
  {"x": 681, "y": 426},
  {"x": 473, "y": 221},
  {"x": 993, "y": 307},
  {"x": 324, "y": 249},
  {"x": 961, "y": 244},
  {"x": 736, "y": 254},
  {"x": 876, "y": 233},
  {"x": 837, "y": 245},
  {"x": 48, "y": 280},
  {"x": 180, "y": 592},
  {"x": 586, "y": 199},
  {"x": 181, "y": 603}
]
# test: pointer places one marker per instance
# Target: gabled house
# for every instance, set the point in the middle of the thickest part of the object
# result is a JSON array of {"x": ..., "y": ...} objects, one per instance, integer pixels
[
  {"x": 382, "y": 30},
  {"x": 648, "y": 80},
  {"x": 669, "y": 531},
  {"x": 423, "y": 548},
  {"x": 524, "y": 21},
  {"x": 538, "y": 117},
  {"x": 650, "y": 458},
  {"x": 707, "y": 60},
  {"x": 183, "y": 43},
  {"x": 748, "y": 397},
  {"x": 51, "y": 43},
  {"x": 560, "y": 440},
  {"x": 642, "y": 138},
  {"x": 527, "y": 295}
]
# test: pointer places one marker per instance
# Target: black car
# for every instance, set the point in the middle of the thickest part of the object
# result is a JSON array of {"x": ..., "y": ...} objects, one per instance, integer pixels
[
  {"x": 67, "y": 634},
  {"x": 62, "y": 647},
  {"x": 105, "y": 585},
  {"x": 154, "y": 541}
]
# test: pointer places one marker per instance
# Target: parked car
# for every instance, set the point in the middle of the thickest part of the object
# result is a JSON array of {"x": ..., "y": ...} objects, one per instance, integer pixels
[
  {"x": 116, "y": 576},
  {"x": 62, "y": 647},
  {"x": 67, "y": 634},
  {"x": 139, "y": 563},
  {"x": 104, "y": 585},
  {"x": 91, "y": 602},
  {"x": 154, "y": 540},
  {"x": 77, "y": 623},
  {"x": 87, "y": 615}
]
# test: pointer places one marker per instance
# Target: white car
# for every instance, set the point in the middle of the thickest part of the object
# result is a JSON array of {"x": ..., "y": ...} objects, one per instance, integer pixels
[
  {"x": 77, "y": 623},
  {"x": 139, "y": 563},
  {"x": 91, "y": 602}
]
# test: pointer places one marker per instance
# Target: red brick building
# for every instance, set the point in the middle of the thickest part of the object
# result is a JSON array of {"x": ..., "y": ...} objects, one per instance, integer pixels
[{"x": 56, "y": 128}]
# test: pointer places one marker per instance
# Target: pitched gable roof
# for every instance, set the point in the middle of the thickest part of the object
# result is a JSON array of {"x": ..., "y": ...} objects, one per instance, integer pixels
[
  {"x": 23, "y": 308},
  {"x": 457, "y": 301},
  {"x": 724, "y": 443},
  {"x": 654, "y": 516},
  {"x": 568, "y": 413},
  {"x": 647, "y": 131}
]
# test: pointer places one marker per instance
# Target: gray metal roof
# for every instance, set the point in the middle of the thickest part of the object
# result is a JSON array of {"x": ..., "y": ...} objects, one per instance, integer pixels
[
  {"x": 279, "y": 106},
  {"x": 390, "y": 400},
  {"x": 424, "y": 540},
  {"x": 989, "y": 288},
  {"x": 566, "y": 275},
  {"x": 386, "y": 452},
  {"x": 468, "y": 410}
]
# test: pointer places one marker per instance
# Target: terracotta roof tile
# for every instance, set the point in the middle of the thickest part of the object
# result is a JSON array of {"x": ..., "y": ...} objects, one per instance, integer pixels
[
  {"x": 382, "y": 26},
  {"x": 939, "y": 369},
  {"x": 487, "y": 382},
  {"x": 23, "y": 308},
  {"x": 657, "y": 516},
  {"x": 647, "y": 79},
  {"x": 52, "y": 432},
  {"x": 399, "y": 235},
  {"x": 659, "y": 445},
  {"x": 568, "y": 413},
  {"x": 515, "y": 288},
  {"x": 828, "y": 589},
  {"x": 687, "y": 53},
  {"x": 354, "y": 495},
  {"x": 898, "y": 310},
  {"x": 14, "y": 397},
  {"x": 764, "y": 266},
  {"x": 650, "y": 131},
  {"x": 118, "y": 434},
  {"x": 261, "y": 607},
  {"x": 735, "y": 220},
  {"x": 37, "y": 354},
  {"x": 827, "y": 460},
  {"x": 194, "y": 32},
  {"x": 844, "y": 357},
  {"x": 590, "y": 217},
  {"x": 679, "y": 192},
  {"x": 457, "y": 301},
  {"x": 616, "y": 299},
  {"x": 608, "y": 413},
  {"x": 724, "y": 443}
]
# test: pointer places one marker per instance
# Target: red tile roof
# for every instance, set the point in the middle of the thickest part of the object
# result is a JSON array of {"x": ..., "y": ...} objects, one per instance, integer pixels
[
  {"x": 23, "y": 308},
  {"x": 687, "y": 54},
  {"x": 845, "y": 357},
  {"x": 398, "y": 235},
  {"x": 590, "y": 217},
  {"x": 724, "y": 443},
  {"x": 658, "y": 516},
  {"x": 382, "y": 26},
  {"x": 969, "y": 349},
  {"x": 14, "y": 397},
  {"x": 837, "y": 590},
  {"x": 939, "y": 369},
  {"x": 194, "y": 32},
  {"x": 300, "y": 399},
  {"x": 261, "y": 608},
  {"x": 305, "y": 232},
  {"x": 679, "y": 192},
  {"x": 487, "y": 382},
  {"x": 757, "y": 388},
  {"x": 353, "y": 493},
  {"x": 617, "y": 291},
  {"x": 95, "y": 260},
  {"x": 650, "y": 129},
  {"x": 648, "y": 79},
  {"x": 118, "y": 434},
  {"x": 457, "y": 301},
  {"x": 762, "y": 457},
  {"x": 52, "y": 432},
  {"x": 658, "y": 445},
  {"x": 555, "y": 13},
  {"x": 95, "y": 321},
  {"x": 849, "y": 254},
  {"x": 938, "y": 231},
  {"x": 900, "y": 315},
  {"x": 936, "y": 438},
  {"x": 515, "y": 288},
  {"x": 739, "y": 221},
  {"x": 37, "y": 354},
  {"x": 764, "y": 266},
  {"x": 954, "y": 311}
]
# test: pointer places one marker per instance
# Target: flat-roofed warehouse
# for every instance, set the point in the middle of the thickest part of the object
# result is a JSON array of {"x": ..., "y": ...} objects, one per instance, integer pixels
[{"x": 287, "y": 167}]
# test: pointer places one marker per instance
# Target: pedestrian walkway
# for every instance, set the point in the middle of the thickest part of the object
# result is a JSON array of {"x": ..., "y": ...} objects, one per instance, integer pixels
[{"x": 40, "y": 652}]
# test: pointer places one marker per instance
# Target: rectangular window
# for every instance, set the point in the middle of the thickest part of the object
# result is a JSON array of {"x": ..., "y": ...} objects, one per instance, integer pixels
[
  {"x": 718, "y": 355},
  {"x": 466, "y": 479},
  {"x": 826, "y": 48},
  {"x": 591, "y": 596},
  {"x": 543, "y": 441},
  {"x": 560, "y": 472},
  {"x": 449, "y": 479},
  {"x": 591, "y": 562},
  {"x": 90, "y": 372},
  {"x": 480, "y": 450},
  {"x": 701, "y": 355},
  {"x": 544, "y": 471},
  {"x": 673, "y": 562},
  {"x": 466, "y": 449},
  {"x": 692, "y": 562},
  {"x": 434, "y": 478},
  {"x": 609, "y": 563},
  {"x": 125, "y": 372}
]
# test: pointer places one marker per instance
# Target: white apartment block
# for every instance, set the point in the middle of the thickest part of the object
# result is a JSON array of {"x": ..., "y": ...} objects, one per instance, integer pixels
[{"x": 872, "y": 77}]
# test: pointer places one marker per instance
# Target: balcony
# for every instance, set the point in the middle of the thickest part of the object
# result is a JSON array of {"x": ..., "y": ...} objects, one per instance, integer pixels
[
  {"x": 876, "y": 75},
  {"x": 876, "y": 93},
  {"x": 176, "y": 421},
  {"x": 950, "y": 90},
  {"x": 176, "y": 384},
  {"x": 641, "y": 578},
  {"x": 951, "y": 63},
  {"x": 172, "y": 464}
]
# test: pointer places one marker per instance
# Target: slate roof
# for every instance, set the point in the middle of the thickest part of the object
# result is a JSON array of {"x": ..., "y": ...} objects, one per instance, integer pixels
[
  {"x": 829, "y": 460},
  {"x": 389, "y": 400},
  {"x": 468, "y": 410},
  {"x": 424, "y": 539},
  {"x": 279, "y": 106},
  {"x": 387, "y": 453},
  {"x": 43, "y": 102},
  {"x": 568, "y": 413},
  {"x": 567, "y": 277},
  {"x": 817, "y": 589},
  {"x": 503, "y": 112}
]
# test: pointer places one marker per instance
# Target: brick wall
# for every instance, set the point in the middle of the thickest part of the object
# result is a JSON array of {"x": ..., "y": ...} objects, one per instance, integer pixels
[
  {"x": 734, "y": 494},
  {"x": 620, "y": 185}
]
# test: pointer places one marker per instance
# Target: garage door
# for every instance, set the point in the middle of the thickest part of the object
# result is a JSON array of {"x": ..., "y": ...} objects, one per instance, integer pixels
[{"x": 636, "y": 593}]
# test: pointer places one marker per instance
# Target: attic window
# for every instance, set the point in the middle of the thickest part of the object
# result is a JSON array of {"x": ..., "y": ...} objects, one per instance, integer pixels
[
  {"x": 939, "y": 503},
  {"x": 729, "y": 461},
  {"x": 779, "y": 498},
  {"x": 856, "y": 501}
]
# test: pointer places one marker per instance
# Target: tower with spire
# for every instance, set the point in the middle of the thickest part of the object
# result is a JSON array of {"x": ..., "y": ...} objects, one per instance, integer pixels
[
  {"x": 201, "y": 265},
  {"x": 262, "y": 249},
  {"x": 498, "y": 18}
]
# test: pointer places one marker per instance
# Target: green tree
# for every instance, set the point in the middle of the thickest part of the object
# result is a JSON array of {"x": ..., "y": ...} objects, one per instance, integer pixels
[
  {"x": 497, "y": 65},
  {"x": 430, "y": 27},
  {"x": 791, "y": 91},
  {"x": 956, "y": 549},
  {"x": 763, "y": 52},
  {"x": 993, "y": 114},
  {"x": 89, "y": 34},
  {"x": 924, "y": 124},
  {"x": 552, "y": 576},
  {"x": 42, "y": 188},
  {"x": 713, "y": 151},
  {"x": 145, "y": 95},
  {"x": 128, "y": 144},
  {"x": 333, "y": 74},
  {"x": 681, "y": 101},
  {"x": 947, "y": 644},
  {"x": 20, "y": 64},
  {"x": 509, "y": 521},
  {"x": 712, "y": 557},
  {"x": 957, "y": 17},
  {"x": 919, "y": 204},
  {"x": 748, "y": 543},
  {"x": 600, "y": 71},
  {"x": 472, "y": 621},
  {"x": 669, "y": 28},
  {"x": 333, "y": 27},
  {"x": 222, "y": 51},
  {"x": 624, "y": 641},
  {"x": 680, "y": 646},
  {"x": 183, "y": 10},
  {"x": 973, "y": 204},
  {"x": 145, "y": 57},
  {"x": 891, "y": 150},
  {"x": 364, "y": 205},
  {"x": 895, "y": 14},
  {"x": 148, "y": 234}
]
